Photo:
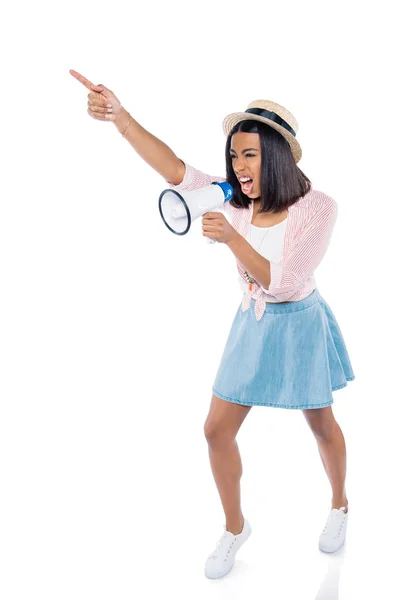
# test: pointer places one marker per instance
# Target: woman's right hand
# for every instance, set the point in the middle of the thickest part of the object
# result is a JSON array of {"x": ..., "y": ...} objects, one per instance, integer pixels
[{"x": 98, "y": 99}]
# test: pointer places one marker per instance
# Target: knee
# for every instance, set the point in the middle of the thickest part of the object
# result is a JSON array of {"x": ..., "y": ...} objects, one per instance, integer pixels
[
  {"x": 322, "y": 423},
  {"x": 217, "y": 435},
  {"x": 323, "y": 430}
]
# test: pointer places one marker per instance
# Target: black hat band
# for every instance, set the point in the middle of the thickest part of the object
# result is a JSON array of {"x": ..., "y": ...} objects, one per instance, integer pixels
[{"x": 272, "y": 117}]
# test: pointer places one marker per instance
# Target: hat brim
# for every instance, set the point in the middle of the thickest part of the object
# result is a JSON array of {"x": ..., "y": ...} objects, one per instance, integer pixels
[{"x": 231, "y": 120}]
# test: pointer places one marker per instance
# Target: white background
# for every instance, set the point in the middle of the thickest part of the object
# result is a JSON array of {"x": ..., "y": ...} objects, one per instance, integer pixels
[{"x": 106, "y": 369}]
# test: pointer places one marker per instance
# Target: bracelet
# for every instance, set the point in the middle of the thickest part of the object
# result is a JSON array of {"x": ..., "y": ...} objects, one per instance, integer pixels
[{"x": 126, "y": 129}]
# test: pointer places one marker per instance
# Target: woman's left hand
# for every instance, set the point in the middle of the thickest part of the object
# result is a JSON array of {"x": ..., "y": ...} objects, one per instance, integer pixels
[{"x": 216, "y": 227}]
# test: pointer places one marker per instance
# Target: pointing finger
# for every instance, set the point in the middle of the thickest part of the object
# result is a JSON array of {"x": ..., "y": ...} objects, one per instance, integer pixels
[{"x": 88, "y": 84}]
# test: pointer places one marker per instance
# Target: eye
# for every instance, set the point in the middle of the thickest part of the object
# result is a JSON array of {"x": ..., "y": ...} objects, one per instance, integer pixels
[{"x": 246, "y": 155}]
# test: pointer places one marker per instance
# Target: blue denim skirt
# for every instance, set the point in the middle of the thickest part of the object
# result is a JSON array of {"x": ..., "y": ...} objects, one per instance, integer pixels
[{"x": 293, "y": 357}]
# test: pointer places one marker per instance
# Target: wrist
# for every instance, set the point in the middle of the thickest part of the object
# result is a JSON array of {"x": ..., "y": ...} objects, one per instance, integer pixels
[
  {"x": 122, "y": 119},
  {"x": 234, "y": 240}
]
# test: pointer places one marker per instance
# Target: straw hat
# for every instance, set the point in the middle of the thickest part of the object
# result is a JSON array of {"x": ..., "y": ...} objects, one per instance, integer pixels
[{"x": 274, "y": 115}]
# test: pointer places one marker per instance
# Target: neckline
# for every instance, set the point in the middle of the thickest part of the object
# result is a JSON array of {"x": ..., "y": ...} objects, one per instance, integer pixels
[
  {"x": 252, "y": 206},
  {"x": 271, "y": 226}
]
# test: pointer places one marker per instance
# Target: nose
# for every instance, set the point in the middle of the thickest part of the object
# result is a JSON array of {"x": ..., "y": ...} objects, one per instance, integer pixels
[
  {"x": 240, "y": 166},
  {"x": 239, "y": 170}
]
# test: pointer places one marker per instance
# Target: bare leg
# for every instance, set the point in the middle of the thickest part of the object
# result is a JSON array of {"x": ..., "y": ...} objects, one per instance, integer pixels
[
  {"x": 332, "y": 449},
  {"x": 222, "y": 424}
]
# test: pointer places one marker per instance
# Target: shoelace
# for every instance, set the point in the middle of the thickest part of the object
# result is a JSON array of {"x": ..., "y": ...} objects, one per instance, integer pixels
[
  {"x": 224, "y": 544},
  {"x": 331, "y": 522}
]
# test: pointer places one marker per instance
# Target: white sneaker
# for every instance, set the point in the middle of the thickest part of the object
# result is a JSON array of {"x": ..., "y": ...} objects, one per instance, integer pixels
[
  {"x": 221, "y": 561},
  {"x": 334, "y": 533}
]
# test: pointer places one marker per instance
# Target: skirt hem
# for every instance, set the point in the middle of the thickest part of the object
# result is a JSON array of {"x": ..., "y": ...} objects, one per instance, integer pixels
[
  {"x": 342, "y": 385},
  {"x": 288, "y": 406}
]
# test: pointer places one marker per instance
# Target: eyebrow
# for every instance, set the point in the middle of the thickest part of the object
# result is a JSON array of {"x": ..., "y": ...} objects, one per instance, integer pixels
[{"x": 245, "y": 150}]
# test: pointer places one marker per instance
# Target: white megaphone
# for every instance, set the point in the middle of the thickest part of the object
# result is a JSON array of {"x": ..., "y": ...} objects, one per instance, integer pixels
[{"x": 179, "y": 209}]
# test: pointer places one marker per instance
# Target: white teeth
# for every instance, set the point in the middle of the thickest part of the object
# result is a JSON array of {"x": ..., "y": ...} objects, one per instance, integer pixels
[{"x": 243, "y": 179}]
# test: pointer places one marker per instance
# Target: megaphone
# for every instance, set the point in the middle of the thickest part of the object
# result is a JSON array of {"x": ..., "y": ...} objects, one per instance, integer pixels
[{"x": 179, "y": 209}]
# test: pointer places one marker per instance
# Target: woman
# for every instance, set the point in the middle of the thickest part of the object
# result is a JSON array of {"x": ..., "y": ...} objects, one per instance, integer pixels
[{"x": 285, "y": 347}]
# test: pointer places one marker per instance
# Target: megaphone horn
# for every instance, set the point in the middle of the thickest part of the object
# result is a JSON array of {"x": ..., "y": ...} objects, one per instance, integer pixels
[{"x": 179, "y": 209}]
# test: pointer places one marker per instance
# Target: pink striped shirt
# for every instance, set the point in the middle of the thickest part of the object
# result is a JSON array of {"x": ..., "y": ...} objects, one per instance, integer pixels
[{"x": 310, "y": 224}]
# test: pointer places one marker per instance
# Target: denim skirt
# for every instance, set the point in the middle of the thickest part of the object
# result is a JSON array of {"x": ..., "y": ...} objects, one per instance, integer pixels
[{"x": 293, "y": 357}]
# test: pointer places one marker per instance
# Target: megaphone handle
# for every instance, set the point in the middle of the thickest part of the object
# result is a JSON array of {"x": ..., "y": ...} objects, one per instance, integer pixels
[{"x": 211, "y": 241}]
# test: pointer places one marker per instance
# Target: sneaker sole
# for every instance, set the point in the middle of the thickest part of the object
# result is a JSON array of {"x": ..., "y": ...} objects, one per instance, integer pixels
[{"x": 332, "y": 551}]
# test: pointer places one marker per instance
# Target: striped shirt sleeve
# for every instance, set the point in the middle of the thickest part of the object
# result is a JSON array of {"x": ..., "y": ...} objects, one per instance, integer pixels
[
  {"x": 306, "y": 251},
  {"x": 195, "y": 180}
]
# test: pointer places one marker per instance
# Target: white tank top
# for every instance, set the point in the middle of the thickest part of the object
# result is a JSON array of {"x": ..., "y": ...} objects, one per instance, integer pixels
[{"x": 267, "y": 241}]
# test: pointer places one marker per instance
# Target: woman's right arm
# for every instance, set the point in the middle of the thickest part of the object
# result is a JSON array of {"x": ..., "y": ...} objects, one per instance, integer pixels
[
  {"x": 105, "y": 106},
  {"x": 177, "y": 173},
  {"x": 153, "y": 150}
]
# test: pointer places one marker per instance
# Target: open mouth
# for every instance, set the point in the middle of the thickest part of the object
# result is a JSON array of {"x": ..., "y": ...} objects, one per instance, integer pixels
[{"x": 247, "y": 186}]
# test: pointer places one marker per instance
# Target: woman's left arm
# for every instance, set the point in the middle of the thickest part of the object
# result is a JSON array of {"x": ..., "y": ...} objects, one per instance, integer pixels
[{"x": 255, "y": 264}]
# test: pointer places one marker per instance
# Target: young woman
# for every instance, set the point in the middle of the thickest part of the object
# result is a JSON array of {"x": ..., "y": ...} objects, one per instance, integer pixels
[{"x": 285, "y": 347}]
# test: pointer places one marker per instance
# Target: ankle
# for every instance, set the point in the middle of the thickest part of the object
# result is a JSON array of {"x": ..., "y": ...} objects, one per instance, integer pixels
[
  {"x": 235, "y": 526},
  {"x": 340, "y": 502}
]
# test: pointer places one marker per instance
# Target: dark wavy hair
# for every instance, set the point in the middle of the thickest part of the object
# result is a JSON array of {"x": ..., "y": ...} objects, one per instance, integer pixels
[{"x": 282, "y": 182}]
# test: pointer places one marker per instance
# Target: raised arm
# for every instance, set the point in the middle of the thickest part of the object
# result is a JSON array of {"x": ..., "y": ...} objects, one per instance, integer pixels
[{"x": 153, "y": 150}]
